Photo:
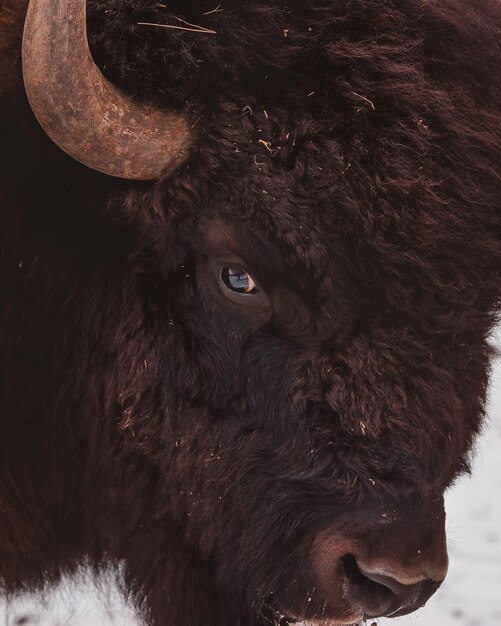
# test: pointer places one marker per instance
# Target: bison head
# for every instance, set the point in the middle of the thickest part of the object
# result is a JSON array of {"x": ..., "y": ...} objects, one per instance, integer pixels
[{"x": 294, "y": 349}]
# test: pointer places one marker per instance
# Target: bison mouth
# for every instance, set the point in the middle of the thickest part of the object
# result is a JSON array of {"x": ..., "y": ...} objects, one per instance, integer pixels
[
  {"x": 274, "y": 614},
  {"x": 278, "y": 617}
]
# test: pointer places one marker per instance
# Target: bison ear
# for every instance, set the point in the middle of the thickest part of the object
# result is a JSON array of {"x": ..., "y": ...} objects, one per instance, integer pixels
[{"x": 82, "y": 112}]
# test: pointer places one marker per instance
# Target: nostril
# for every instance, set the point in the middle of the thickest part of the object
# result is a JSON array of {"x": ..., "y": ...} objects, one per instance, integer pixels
[
  {"x": 374, "y": 597},
  {"x": 391, "y": 583},
  {"x": 377, "y": 594}
]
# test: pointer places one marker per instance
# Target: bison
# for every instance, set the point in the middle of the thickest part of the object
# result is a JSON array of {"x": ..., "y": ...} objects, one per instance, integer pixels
[{"x": 250, "y": 263}]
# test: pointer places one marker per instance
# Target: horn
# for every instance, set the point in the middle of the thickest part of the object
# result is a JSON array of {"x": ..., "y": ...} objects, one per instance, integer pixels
[{"x": 82, "y": 112}]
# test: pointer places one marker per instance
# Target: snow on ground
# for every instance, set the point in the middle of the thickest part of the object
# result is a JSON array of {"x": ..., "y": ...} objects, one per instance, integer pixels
[{"x": 470, "y": 596}]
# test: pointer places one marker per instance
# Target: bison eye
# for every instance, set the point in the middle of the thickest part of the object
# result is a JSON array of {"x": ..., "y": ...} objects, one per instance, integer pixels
[{"x": 238, "y": 280}]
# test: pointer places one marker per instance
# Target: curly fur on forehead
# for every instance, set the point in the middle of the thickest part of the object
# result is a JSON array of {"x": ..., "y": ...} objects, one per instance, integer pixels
[{"x": 378, "y": 115}]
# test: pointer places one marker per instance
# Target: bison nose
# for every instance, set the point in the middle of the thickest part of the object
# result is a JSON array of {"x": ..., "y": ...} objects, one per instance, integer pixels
[
  {"x": 390, "y": 562},
  {"x": 380, "y": 591}
]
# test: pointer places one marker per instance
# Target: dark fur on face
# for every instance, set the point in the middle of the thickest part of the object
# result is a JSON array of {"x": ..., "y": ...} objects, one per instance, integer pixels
[{"x": 347, "y": 157}]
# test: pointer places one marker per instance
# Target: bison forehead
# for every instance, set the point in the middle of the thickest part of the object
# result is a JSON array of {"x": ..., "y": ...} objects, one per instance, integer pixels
[{"x": 350, "y": 131}]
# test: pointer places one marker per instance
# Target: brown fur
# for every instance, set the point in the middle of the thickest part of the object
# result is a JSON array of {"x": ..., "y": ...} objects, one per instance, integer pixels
[{"x": 349, "y": 153}]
